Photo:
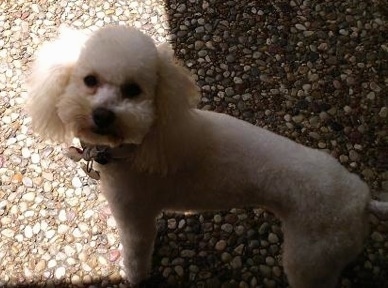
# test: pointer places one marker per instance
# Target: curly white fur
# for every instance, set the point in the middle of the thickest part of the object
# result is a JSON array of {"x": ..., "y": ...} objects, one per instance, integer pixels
[{"x": 180, "y": 158}]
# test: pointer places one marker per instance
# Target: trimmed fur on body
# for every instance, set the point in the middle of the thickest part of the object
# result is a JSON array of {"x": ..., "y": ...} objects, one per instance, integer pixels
[{"x": 181, "y": 158}]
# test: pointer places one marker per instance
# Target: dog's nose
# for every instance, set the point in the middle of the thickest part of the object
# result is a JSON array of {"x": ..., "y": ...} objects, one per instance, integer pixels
[{"x": 103, "y": 117}]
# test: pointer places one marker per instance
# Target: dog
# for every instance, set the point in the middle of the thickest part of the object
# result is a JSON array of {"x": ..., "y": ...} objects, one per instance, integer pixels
[{"x": 133, "y": 108}]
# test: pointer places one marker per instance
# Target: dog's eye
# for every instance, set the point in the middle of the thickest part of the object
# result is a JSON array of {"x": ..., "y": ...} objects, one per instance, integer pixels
[
  {"x": 91, "y": 81},
  {"x": 130, "y": 90}
]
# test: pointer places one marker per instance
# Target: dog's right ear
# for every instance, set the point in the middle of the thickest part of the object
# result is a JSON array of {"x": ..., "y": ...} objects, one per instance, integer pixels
[
  {"x": 176, "y": 90},
  {"x": 49, "y": 77}
]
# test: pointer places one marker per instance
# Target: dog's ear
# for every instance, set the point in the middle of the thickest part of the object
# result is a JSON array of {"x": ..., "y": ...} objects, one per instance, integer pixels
[
  {"x": 176, "y": 90},
  {"x": 49, "y": 77}
]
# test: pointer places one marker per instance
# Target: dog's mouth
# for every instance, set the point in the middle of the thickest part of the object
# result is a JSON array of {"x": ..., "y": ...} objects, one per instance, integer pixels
[{"x": 98, "y": 136}]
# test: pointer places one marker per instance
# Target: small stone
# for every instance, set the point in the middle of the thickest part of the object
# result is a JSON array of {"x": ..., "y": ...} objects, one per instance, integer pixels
[
  {"x": 239, "y": 249},
  {"x": 256, "y": 55},
  {"x": 227, "y": 227},
  {"x": 308, "y": 33},
  {"x": 273, "y": 238},
  {"x": 28, "y": 231},
  {"x": 26, "y": 153},
  {"x": 332, "y": 60},
  {"x": 77, "y": 233},
  {"x": 27, "y": 182},
  {"x": 265, "y": 270},
  {"x": 187, "y": 253},
  {"x": 181, "y": 8},
  {"x": 48, "y": 176},
  {"x": 236, "y": 262},
  {"x": 60, "y": 272},
  {"x": 383, "y": 112},
  {"x": 87, "y": 279},
  {"x": 29, "y": 197},
  {"x": 367, "y": 173},
  {"x": 111, "y": 222},
  {"x": 114, "y": 255},
  {"x": 371, "y": 95},
  {"x": 384, "y": 185},
  {"x": 75, "y": 279},
  {"x": 198, "y": 45},
  {"x": 51, "y": 263},
  {"x": 298, "y": 118},
  {"x": 321, "y": 145},
  {"x": 8, "y": 233},
  {"x": 240, "y": 229},
  {"x": 102, "y": 261},
  {"x": 287, "y": 117},
  {"x": 62, "y": 216},
  {"x": 47, "y": 187},
  {"x": 337, "y": 84},
  {"x": 237, "y": 80},
  {"x": 270, "y": 261},
  {"x": 220, "y": 245},
  {"x": 179, "y": 270},
  {"x": 35, "y": 158},
  {"x": 226, "y": 257},
  {"x": 40, "y": 266},
  {"x": 347, "y": 109},
  {"x": 88, "y": 214},
  {"x": 375, "y": 87},
  {"x": 376, "y": 236},
  {"x": 343, "y": 158},
  {"x": 171, "y": 223},
  {"x": 49, "y": 234},
  {"x": 36, "y": 228},
  {"x": 314, "y": 135},
  {"x": 76, "y": 182},
  {"x": 230, "y": 58},
  {"x": 264, "y": 228},
  {"x": 62, "y": 229},
  {"x": 306, "y": 87},
  {"x": 343, "y": 32},
  {"x": 69, "y": 251},
  {"x": 246, "y": 96},
  {"x": 353, "y": 155},
  {"x": 202, "y": 53},
  {"x": 217, "y": 218},
  {"x": 300, "y": 27}
]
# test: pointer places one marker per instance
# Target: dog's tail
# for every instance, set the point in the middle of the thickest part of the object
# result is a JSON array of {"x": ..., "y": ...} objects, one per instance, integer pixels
[{"x": 379, "y": 209}]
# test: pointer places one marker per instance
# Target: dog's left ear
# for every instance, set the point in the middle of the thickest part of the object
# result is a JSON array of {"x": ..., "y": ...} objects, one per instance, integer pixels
[
  {"x": 176, "y": 90},
  {"x": 49, "y": 78}
]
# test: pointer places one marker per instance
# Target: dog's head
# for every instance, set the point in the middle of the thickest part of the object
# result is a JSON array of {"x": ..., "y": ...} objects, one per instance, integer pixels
[{"x": 109, "y": 87}]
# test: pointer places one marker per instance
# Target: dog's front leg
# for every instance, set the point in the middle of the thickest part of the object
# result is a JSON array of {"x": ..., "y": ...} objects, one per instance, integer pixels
[
  {"x": 137, "y": 234},
  {"x": 138, "y": 242}
]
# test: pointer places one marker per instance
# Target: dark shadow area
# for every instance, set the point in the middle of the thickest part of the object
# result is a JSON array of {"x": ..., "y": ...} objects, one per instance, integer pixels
[{"x": 262, "y": 60}]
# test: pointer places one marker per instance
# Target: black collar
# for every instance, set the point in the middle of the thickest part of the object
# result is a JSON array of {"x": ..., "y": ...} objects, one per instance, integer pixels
[{"x": 101, "y": 154}]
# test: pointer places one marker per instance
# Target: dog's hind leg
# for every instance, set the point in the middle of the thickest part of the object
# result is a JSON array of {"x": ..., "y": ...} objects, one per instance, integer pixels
[
  {"x": 302, "y": 273},
  {"x": 317, "y": 261}
]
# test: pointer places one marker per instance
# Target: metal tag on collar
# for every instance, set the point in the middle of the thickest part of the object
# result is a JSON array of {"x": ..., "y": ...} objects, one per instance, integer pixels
[{"x": 88, "y": 169}]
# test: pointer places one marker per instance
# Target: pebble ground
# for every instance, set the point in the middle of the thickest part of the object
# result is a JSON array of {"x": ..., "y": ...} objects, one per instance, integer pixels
[{"x": 314, "y": 71}]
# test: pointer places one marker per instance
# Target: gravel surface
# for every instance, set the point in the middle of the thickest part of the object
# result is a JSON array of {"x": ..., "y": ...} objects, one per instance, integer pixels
[{"x": 314, "y": 71}]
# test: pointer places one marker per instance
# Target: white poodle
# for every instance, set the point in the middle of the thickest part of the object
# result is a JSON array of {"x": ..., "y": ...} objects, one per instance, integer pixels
[{"x": 133, "y": 108}]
